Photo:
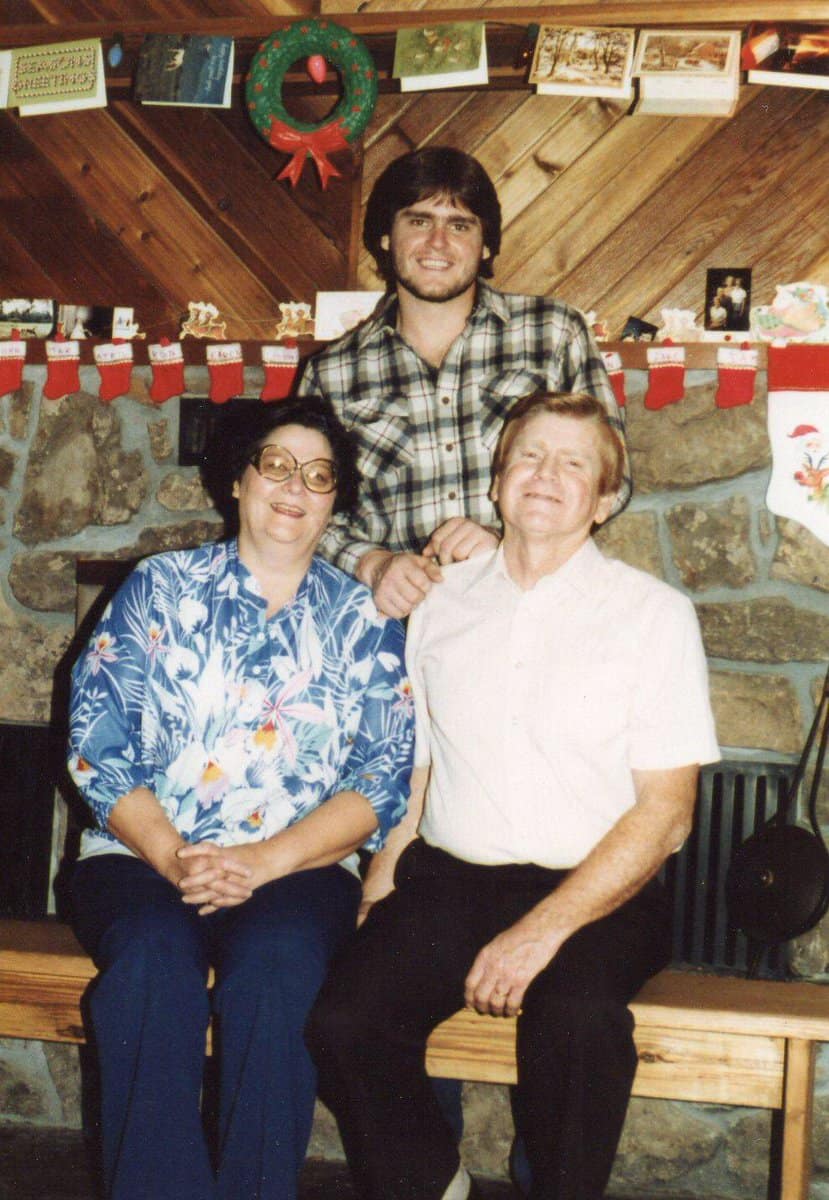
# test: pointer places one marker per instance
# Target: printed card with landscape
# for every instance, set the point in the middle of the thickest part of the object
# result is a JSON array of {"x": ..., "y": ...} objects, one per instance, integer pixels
[
  {"x": 688, "y": 72},
  {"x": 575, "y": 61}
]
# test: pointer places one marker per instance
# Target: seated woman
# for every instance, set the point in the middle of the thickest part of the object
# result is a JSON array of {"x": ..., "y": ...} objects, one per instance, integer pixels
[{"x": 241, "y": 724}]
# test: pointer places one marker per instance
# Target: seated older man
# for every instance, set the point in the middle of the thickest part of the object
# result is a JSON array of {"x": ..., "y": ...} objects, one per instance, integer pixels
[{"x": 562, "y": 705}]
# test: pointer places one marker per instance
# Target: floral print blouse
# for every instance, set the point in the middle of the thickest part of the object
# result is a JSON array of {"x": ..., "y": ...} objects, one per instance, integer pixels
[{"x": 240, "y": 724}]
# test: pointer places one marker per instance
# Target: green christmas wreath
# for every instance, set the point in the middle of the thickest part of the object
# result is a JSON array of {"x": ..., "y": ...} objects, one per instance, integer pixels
[{"x": 318, "y": 42}]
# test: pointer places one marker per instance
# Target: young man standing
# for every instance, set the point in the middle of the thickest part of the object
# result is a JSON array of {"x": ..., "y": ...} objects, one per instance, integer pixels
[{"x": 426, "y": 382}]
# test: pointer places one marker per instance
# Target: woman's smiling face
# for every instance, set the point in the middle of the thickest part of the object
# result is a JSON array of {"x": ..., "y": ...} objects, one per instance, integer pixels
[{"x": 285, "y": 514}]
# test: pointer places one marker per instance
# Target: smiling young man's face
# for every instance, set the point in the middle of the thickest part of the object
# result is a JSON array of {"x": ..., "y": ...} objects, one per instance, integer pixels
[
  {"x": 436, "y": 248},
  {"x": 548, "y": 485}
]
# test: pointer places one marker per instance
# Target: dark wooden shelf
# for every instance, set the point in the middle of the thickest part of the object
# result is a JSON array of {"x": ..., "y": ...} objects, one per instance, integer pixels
[{"x": 698, "y": 355}]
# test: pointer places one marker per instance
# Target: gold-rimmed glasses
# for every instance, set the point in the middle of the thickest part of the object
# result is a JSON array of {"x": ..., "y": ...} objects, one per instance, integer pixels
[{"x": 276, "y": 463}]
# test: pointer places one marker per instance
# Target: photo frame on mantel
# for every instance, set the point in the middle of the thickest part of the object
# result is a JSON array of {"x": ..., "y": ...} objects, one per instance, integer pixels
[{"x": 728, "y": 299}]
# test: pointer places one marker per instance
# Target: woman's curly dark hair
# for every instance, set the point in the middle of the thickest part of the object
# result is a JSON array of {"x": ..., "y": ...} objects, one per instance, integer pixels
[{"x": 246, "y": 425}]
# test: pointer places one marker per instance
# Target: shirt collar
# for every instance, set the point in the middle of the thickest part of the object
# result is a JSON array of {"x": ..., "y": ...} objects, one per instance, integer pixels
[
  {"x": 249, "y": 586},
  {"x": 488, "y": 302},
  {"x": 581, "y": 572}
]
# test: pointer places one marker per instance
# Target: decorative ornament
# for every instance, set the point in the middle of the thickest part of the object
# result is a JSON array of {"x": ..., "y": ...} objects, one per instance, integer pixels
[
  {"x": 295, "y": 320},
  {"x": 666, "y": 375},
  {"x": 736, "y": 372},
  {"x": 62, "y": 363},
  {"x": 798, "y": 421},
  {"x": 616, "y": 374},
  {"x": 167, "y": 363},
  {"x": 798, "y": 313},
  {"x": 311, "y": 40},
  {"x": 12, "y": 358},
  {"x": 114, "y": 363},
  {"x": 226, "y": 368},
  {"x": 204, "y": 320},
  {"x": 281, "y": 364}
]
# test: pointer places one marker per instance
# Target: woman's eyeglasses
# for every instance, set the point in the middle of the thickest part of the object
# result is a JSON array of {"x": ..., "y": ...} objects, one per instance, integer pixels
[{"x": 278, "y": 464}]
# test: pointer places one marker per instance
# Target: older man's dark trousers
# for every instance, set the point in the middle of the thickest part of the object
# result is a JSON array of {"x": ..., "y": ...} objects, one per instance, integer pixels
[{"x": 405, "y": 972}]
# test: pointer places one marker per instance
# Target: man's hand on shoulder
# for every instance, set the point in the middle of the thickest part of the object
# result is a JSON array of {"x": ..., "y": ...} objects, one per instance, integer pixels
[
  {"x": 458, "y": 539},
  {"x": 399, "y": 581}
]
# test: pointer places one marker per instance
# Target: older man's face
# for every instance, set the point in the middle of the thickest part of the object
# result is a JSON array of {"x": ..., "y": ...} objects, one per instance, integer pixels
[{"x": 548, "y": 484}]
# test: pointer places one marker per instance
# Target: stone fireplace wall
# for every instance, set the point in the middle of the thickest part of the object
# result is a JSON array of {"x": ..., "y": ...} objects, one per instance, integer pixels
[{"x": 82, "y": 479}]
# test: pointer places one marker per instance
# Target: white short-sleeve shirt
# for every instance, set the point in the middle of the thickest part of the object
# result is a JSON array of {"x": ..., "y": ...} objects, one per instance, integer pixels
[{"x": 534, "y": 707}]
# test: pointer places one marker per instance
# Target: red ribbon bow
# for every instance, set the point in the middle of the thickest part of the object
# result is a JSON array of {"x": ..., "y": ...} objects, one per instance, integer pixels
[{"x": 317, "y": 144}]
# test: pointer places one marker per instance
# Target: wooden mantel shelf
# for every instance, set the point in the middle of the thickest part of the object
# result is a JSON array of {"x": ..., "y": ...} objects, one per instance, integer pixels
[{"x": 698, "y": 355}]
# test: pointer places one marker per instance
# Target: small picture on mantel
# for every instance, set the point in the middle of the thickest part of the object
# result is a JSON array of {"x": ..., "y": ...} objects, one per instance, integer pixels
[
  {"x": 727, "y": 299},
  {"x": 637, "y": 330}
]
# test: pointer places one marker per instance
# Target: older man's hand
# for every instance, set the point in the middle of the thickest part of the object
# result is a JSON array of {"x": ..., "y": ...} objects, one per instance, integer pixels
[{"x": 506, "y": 966}]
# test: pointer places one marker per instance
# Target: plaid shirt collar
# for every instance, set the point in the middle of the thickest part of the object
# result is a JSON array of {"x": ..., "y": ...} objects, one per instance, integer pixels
[{"x": 488, "y": 302}]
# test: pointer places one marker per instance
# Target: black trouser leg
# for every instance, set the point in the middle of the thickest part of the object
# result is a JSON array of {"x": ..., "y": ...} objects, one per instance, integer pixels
[
  {"x": 576, "y": 1055},
  {"x": 368, "y": 1031}
]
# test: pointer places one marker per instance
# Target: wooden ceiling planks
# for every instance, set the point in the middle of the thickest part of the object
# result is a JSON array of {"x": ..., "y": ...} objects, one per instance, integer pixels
[
  {"x": 714, "y": 190},
  {"x": 617, "y": 213},
  {"x": 164, "y": 234},
  {"x": 70, "y": 247},
  {"x": 771, "y": 223},
  {"x": 257, "y": 218},
  {"x": 599, "y": 191}
]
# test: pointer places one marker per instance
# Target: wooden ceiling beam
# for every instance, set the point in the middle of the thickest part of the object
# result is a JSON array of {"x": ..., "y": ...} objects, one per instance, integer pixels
[{"x": 736, "y": 14}]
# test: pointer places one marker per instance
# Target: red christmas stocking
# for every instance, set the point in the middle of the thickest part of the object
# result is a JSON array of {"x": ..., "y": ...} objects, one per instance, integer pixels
[
  {"x": 12, "y": 358},
  {"x": 666, "y": 375},
  {"x": 167, "y": 362},
  {"x": 227, "y": 371},
  {"x": 114, "y": 363},
  {"x": 736, "y": 371},
  {"x": 281, "y": 364},
  {"x": 62, "y": 361},
  {"x": 613, "y": 366}
]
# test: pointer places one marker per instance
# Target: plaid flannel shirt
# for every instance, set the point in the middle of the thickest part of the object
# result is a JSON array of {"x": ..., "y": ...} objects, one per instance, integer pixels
[{"x": 426, "y": 436}]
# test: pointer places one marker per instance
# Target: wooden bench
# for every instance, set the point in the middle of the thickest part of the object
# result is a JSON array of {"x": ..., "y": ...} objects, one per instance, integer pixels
[{"x": 700, "y": 1037}]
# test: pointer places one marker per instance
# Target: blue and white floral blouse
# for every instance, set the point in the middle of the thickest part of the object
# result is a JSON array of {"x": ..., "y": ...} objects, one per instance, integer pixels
[{"x": 239, "y": 724}]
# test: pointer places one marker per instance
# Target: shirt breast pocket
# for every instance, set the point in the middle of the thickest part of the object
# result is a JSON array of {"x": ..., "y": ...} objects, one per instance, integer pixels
[
  {"x": 497, "y": 396},
  {"x": 383, "y": 432}
]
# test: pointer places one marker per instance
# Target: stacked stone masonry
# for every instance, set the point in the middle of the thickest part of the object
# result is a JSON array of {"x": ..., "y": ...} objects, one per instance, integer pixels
[{"x": 80, "y": 478}]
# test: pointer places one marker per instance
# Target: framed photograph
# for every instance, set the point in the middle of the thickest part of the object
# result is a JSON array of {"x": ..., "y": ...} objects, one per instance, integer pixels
[
  {"x": 637, "y": 330},
  {"x": 727, "y": 299},
  {"x": 34, "y": 318},
  {"x": 94, "y": 321},
  {"x": 687, "y": 52}
]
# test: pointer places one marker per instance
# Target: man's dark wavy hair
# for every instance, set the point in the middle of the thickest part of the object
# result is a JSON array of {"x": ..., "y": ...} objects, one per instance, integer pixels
[
  {"x": 424, "y": 175},
  {"x": 247, "y": 425}
]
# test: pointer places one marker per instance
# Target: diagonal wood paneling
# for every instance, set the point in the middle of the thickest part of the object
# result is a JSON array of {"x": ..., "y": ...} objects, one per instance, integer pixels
[
  {"x": 617, "y": 213},
  {"x": 623, "y": 214}
]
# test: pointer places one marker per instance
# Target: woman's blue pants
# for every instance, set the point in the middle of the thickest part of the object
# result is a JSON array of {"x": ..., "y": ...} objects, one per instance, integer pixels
[{"x": 149, "y": 1010}]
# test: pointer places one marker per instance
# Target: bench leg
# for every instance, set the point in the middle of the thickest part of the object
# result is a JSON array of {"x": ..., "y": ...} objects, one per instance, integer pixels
[{"x": 797, "y": 1119}]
